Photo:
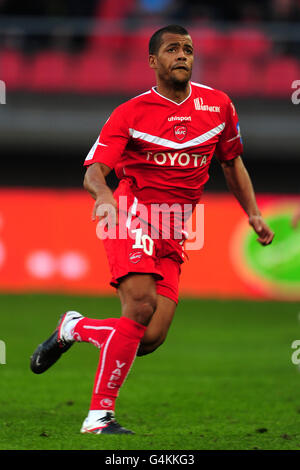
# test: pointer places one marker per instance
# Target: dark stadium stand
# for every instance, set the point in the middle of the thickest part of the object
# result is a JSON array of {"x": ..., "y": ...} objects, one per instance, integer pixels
[
  {"x": 125, "y": 70},
  {"x": 67, "y": 64}
]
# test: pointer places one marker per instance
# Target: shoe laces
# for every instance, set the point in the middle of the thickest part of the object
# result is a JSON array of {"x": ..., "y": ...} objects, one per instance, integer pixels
[{"x": 108, "y": 418}]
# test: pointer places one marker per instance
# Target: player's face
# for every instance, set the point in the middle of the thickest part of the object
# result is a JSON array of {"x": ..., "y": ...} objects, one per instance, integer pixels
[{"x": 174, "y": 61}]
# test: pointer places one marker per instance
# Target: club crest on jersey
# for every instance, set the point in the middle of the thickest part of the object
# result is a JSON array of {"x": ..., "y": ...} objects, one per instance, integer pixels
[
  {"x": 135, "y": 256},
  {"x": 180, "y": 132}
]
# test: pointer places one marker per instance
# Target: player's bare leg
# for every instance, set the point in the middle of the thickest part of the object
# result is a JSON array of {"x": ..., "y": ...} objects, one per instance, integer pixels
[
  {"x": 121, "y": 340},
  {"x": 159, "y": 325},
  {"x": 138, "y": 300},
  {"x": 119, "y": 347},
  {"x": 138, "y": 297}
]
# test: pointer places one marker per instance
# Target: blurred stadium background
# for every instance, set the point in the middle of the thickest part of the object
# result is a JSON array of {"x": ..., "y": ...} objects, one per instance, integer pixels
[{"x": 67, "y": 64}]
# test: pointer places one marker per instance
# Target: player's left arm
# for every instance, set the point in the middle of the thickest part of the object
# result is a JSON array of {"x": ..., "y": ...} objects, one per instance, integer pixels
[
  {"x": 239, "y": 183},
  {"x": 229, "y": 150},
  {"x": 296, "y": 217}
]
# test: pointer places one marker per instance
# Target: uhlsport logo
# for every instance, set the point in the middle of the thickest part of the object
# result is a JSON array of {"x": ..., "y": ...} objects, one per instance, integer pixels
[
  {"x": 275, "y": 269},
  {"x": 180, "y": 118}
]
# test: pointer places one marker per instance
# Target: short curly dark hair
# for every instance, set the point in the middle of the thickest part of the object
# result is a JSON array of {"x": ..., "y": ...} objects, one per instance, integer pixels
[{"x": 156, "y": 38}]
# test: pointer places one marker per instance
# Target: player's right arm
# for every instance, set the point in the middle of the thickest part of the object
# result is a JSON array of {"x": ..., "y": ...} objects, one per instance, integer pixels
[
  {"x": 94, "y": 182},
  {"x": 103, "y": 157}
]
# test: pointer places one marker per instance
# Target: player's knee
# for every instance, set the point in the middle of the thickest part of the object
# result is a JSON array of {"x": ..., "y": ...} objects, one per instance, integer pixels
[
  {"x": 142, "y": 307},
  {"x": 150, "y": 346}
]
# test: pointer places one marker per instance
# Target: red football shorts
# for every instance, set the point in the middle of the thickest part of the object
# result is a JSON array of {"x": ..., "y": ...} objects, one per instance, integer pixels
[{"x": 136, "y": 252}]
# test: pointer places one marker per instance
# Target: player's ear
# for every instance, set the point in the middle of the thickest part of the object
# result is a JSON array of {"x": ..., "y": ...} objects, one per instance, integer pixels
[{"x": 152, "y": 61}]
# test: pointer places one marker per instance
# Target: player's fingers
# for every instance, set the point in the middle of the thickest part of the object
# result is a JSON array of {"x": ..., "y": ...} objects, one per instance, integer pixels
[
  {"x": 265, "y": 235},
  {"x": 94, "y": 213},
  {"x": 264, "y": 232},
  {"x": 262, "y": 241},
  {"x": 267, "y": 239},
  {"x": 271, "y": 236},
  {"x": 262, "y": 238},
  {"x": 115, "y": 216},
  {"x": 256, "y": 225}
]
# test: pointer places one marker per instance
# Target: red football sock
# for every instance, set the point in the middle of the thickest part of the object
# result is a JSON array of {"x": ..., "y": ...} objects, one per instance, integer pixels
[
  {"x": 94, "y": 331},
  {"x": 116, "y": 358}
]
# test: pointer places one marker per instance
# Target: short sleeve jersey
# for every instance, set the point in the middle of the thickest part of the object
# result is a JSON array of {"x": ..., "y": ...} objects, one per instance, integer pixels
[{"x": 165, "y": 148}]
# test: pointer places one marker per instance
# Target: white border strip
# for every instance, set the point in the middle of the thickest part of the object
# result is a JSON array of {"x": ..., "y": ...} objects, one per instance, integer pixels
[
  {"x": 87, "y": 327},
  {"x": 103, "y": 360},
  {"x": 153, "y": 139}
]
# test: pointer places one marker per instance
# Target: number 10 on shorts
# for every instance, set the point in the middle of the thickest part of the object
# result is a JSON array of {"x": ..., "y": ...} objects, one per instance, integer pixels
[{"x": 143, "y": 241}]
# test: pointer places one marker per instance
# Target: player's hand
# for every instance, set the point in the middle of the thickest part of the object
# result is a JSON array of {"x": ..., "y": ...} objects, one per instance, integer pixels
[
  {"x": 265, "y": 234},
  {"x": 296, "y": 218},
  {"x": 105, "y": 207}
]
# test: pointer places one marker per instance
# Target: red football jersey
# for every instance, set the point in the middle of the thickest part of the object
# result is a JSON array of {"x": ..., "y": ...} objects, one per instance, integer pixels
[{"x": 165, "y": 148}]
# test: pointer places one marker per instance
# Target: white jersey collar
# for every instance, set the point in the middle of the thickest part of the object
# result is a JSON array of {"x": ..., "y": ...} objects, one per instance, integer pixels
[{"x": 168, "y": 99}]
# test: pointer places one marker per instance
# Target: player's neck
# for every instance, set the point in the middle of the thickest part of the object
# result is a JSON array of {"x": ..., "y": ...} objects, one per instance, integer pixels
[{"x": 176, "y": 94}]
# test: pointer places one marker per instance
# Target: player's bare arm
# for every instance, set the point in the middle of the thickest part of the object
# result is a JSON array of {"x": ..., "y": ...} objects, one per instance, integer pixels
[
  {"x": 296, "y": 217},
  {"x": 239, "y": 183},
  {"x": 94, "y": 182}
]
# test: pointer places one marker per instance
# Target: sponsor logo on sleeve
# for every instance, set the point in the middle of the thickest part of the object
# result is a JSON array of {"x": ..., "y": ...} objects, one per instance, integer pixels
[{"x": 200, "y": 106}]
